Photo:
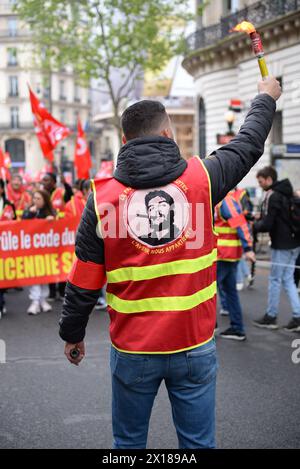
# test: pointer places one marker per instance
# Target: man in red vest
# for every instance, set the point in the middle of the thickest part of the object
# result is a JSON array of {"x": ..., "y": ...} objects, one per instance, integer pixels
[
  {"x": 75, "y": 206},
  {"x": 234, "y": 238},
  {"x": 148, "y": 231}
]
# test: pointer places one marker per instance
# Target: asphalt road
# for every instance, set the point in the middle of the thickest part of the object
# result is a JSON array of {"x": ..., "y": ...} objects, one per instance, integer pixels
[{"x": 47, "y": 403}]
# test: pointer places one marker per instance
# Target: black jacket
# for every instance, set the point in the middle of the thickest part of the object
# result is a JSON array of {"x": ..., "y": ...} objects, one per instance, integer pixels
[
  {"x": 28, "y": 215},
  {"x": 276, "y": 220},
  {"x": 156, "y": 161}
]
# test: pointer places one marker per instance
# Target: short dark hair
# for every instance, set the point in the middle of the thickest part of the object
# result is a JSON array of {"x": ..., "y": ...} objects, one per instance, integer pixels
[
  {"x": 267, "y": 171},
  {"x": 158, "y": 193},
  {"x": 143, "y": 118},
  {"x": 85, "y": 185},
  {"x": 52, "y": 176}
]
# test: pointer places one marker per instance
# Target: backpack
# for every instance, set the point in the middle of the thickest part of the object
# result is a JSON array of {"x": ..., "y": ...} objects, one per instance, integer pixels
[{"x": 295, "y": 215}]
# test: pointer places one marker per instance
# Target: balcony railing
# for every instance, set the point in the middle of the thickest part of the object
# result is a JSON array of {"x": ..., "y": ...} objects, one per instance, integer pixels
[
  {"x": 257, "y": 14},
  {"x": 16, "y": 126},
  {"x": 7, "y": 33}
]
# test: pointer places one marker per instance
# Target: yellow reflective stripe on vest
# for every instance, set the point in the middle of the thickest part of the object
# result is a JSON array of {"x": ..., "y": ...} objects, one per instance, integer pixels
[
  {"x": 168, "y": 303},
  {"x": 229, "y": 242},
  {"x": 225, "y": 230},
  {"x": 184, "y": 266}
]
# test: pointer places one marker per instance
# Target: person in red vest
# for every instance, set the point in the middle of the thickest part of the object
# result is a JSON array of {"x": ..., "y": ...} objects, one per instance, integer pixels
[
  {"x": 161, "y": 295},
  {"x": 59, "y": 197},
  {"x": 75, "y": 206},
  {"x": 234, "y": 238},
  {"x": 18, "y": 195},
  {"x": 243, "y": 272}
]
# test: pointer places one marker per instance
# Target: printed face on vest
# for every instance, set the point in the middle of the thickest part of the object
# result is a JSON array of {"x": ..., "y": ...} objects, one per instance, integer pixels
[{"x": 158, "y": 216}]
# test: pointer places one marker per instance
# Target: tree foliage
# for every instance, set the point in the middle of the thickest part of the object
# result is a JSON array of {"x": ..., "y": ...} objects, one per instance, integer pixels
[{"x": 97, "y": 37}]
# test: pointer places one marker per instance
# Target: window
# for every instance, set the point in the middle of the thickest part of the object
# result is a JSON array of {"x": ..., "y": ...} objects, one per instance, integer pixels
[
  {"x": 62, "y": 90},
  {"x": 13, "y": 86},
  {"x": 76, "y": 93},
  {"x": 107, "y": 143},
  {"x": 76, "y": 114},
  {"x": 12, "y": 27},
  {"x": 14, "y": 117},
  {"x": 230, "y": 6},
  {"x": 16, "y": 147},
  {"x": 46, "y": 92},
  {"x": 276, "y": 130},
  {"x": 12, "y": 56},
  {"x": 62, "y": 114}
]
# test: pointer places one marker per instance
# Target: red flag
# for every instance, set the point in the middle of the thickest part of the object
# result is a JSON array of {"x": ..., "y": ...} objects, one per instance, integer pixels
[
  {"x": 49, "y": 131},
  {"x": 82, "y": 158},
  {"x": 7, "y": 160},
  {"x": 4, "y": 166}
]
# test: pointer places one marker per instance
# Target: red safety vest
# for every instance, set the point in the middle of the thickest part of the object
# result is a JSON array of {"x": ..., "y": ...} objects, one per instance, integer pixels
[
  {"x": 21, "y": 200},
  {"x": 75, "y": 206},
  {"x": 229, "y": 243},
  {"x": 57, "y": 199},
  {"x": 238, "y": 194},
  {"x": 161, "y": 283},
  {"x": 7, "y": 213}
]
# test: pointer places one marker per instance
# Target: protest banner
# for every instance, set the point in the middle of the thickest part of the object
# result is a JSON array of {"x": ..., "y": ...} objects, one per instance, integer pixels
[{"x": 36, "y": 251}]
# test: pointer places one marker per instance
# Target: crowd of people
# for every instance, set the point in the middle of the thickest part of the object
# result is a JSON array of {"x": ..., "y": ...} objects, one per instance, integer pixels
[
  {"x": 45, "y": 199},
  {"x": 237, "y": 226}
]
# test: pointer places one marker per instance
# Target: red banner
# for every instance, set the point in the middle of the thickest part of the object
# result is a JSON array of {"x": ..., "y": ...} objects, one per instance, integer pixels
[{"x": 36, "y": 251}]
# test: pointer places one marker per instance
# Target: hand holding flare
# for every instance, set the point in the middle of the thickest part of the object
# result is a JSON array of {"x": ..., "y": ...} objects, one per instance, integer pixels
[{"x": 257, "y": 46}]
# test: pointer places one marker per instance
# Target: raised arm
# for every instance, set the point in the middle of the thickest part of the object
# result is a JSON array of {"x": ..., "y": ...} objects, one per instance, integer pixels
[{"x": 228, "y": 165}]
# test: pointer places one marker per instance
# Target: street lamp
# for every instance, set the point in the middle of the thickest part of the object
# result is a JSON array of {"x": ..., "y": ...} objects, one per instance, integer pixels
[{"x": 230, "y": 118}]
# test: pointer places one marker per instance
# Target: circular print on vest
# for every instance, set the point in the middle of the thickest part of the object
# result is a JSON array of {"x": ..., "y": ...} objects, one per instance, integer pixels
[{"x": 156, "y": 216}]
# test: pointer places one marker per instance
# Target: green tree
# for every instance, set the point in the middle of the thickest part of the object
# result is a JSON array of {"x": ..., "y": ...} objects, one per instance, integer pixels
[{"x": 99, "y": 37}]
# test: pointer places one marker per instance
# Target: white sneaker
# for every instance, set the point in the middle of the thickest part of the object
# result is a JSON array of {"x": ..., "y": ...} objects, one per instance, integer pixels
[
  {"x": 4, "y": 310},
  {"x": 45, "y": 306},
  {"x": 224, "y": 312},
  {"x": 239, "y": 286},
  {"x": 101, "y": 304},
  {"x": 34, "y": 308}
]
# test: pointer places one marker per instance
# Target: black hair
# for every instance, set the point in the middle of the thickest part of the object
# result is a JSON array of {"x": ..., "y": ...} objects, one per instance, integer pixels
[
  {"x": 267, "y": 171},
  {"x": 159, "y": 193},
  {"x": 143, "y": 119},
  {"x": 2, "y": 186},
  {"x": 85, "y": 185},
  {"x": 52, "y": 176}
]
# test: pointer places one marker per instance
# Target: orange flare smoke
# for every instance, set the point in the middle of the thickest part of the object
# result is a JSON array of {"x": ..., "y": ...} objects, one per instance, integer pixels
[{"x": 244, "y": 27}]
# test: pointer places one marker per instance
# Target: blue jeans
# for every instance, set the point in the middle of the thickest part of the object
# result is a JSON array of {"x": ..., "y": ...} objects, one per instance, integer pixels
[
  {"x": 283, "y": 275},
  {"x": 242, "y": 271},
  {"x": 190, "y": 379},
  {"x": 223, "y": 298},
  {"x": 226, "y": 280}
]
